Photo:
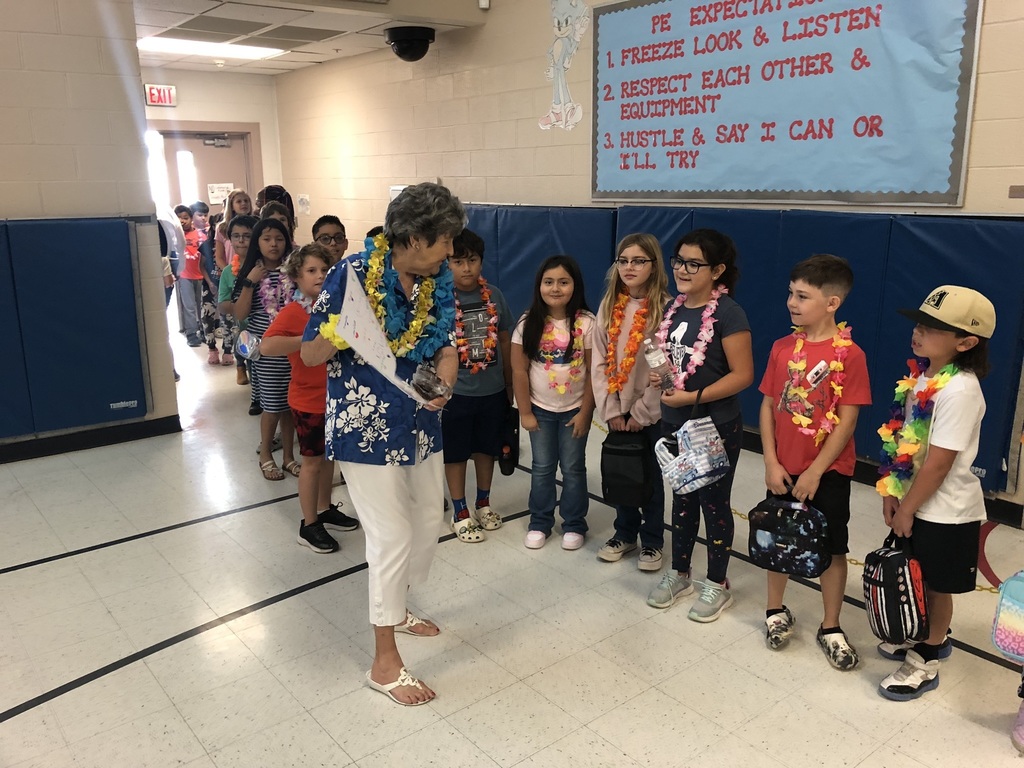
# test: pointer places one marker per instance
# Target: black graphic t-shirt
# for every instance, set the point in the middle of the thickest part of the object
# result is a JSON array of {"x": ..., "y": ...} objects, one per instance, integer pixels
[{"x": 475, "y": 319}]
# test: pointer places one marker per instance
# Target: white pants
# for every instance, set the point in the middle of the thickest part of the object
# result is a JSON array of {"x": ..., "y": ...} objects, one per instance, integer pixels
[{"x": 400, "y": 509}]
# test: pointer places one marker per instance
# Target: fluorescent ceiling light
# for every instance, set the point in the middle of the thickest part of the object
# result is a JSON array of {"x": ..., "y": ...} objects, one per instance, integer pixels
[{"x": 212, "y": 50}]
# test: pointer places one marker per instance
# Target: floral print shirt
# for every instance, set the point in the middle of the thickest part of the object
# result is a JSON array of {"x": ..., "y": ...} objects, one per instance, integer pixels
[{"x": 368, "y": 419}]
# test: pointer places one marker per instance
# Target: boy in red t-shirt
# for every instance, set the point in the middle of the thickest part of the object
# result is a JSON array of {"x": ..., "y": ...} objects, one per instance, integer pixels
[
  {"x": 190, "y": 286},
  {"x": 814, "y": 385},
  {"x": 307, "y": 398}
]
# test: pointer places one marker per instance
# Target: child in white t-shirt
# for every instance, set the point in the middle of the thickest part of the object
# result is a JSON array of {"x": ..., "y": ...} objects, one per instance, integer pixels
[
  {"x": 928, "y": 445},
  {"x": 551, "y": 380}
]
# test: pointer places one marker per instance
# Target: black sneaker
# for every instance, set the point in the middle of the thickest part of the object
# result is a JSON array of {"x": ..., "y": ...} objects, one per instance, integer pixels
[
  {"x": 317, "y": 538},
  {"x": 332, "y": 517},
  {"x": 255, "y": 409}
]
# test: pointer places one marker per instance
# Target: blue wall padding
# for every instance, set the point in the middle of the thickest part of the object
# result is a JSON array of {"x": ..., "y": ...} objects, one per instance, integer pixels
[
  {"x": 763, "y": 284},
  {"x": 896, "y": 260},
  {"x": 15, "y": 401},
  {"x": 863, "y": 240},
  {"x": 666, "y": 224},
  {"x": 984, "y": 254},
  {"x": 526, "y": 235},
  {"x": 76, "y": 297}
]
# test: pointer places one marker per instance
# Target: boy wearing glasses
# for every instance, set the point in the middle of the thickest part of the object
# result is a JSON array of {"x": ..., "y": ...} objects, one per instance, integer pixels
[
  {"x": 814, "y": 386},
  {"x": 329, "y": 232},
  {"x": 239, "y": 233}
]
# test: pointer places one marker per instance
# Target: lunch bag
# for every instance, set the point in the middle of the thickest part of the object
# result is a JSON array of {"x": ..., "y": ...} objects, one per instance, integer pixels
[
  {"x": 1008, "y": 625},
  {"x": 894, "y": 593},
  {"x": 627, "y": 468},
  {"x": 789, "y": 536}
]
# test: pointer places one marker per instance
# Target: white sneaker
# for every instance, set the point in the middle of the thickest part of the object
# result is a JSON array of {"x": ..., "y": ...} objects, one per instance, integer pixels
[
  {"x": 535, "y": 539},
  {"x": 913, "y": 679}
]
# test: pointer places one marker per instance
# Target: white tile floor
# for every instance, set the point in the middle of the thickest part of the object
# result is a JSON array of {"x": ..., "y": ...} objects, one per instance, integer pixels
[{"x": 547, "y": 658}]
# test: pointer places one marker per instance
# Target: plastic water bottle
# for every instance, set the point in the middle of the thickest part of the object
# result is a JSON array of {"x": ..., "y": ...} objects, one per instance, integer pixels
[{"x": 658, "y": 363}]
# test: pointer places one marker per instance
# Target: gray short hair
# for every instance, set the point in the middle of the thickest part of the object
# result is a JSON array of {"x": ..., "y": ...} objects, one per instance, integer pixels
[{"x": 425, "y": 210}]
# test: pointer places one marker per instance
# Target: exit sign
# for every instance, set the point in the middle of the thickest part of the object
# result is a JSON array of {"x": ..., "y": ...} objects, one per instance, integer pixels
[{"x": 161, "y": 95}]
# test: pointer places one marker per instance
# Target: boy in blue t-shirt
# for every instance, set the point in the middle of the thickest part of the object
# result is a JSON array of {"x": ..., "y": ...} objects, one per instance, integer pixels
[{"x": 471, "y": 424}]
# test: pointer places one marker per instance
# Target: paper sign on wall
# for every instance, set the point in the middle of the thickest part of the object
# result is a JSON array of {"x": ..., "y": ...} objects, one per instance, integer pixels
[
  {"x": 218, "y": 193},
  {"x": 359, "y": 327}
]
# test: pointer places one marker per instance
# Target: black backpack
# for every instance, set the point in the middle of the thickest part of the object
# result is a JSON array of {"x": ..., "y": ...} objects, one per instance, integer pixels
[
  {"x": 628, "y": 472},
  {"x": 895, "y": 597}
]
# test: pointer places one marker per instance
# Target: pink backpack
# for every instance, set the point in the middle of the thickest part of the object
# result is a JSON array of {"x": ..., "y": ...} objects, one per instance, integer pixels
[{"x": 1008, "y": 625}]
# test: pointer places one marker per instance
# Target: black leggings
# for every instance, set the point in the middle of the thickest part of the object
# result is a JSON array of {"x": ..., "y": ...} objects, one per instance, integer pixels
[{"x": 715, "y": 501}]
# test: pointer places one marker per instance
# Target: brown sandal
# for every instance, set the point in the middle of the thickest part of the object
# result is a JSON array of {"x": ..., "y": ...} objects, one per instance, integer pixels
[
  {"x": 271, "y": 471},
  {"x": 293, "y": 467}
]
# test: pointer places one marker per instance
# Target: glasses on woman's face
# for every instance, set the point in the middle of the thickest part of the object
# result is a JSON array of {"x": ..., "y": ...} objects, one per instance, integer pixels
[
  {"x": 328, "y": 239},
  {"x": 635, "y": 263},
  {"x": 691, "y": 267}
]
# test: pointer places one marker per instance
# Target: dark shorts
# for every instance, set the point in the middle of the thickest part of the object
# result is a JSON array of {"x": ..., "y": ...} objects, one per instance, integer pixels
[
  {"x": 833, "y": 500},
  {"x": 310, "y": 429},
  {"x": 948, "y": 554},
  {"x": 473, "y": 425}
]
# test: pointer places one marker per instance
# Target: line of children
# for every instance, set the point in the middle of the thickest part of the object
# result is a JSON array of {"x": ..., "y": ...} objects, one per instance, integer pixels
[{"x": 471, "y": 423}]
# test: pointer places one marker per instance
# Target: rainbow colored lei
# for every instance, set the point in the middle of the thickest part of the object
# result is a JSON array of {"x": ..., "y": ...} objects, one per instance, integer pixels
[
  {"x": 618, "y": 375},
  {"x": 841, "y": 343},
  {"x": 901, "y": 441},
  {"x": 549, "y": 350},
  {"x": 425, "y": 333}
]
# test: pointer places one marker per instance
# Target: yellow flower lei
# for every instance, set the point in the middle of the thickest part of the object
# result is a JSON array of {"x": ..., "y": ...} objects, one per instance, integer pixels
[{"x": 374, "y": 278}]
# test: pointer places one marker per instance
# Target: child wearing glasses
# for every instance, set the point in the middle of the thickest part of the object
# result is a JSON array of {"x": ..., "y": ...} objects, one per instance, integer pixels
[
  {"x": 237, "y": 231},
  {"x": 635, "y": 297},
  {"x": 706, "y": 337},
  {"x": 329, "y": 232}
]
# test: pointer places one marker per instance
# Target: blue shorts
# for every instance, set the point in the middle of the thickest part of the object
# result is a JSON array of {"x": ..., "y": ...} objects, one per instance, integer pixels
[{"x": 473, "y": 424}]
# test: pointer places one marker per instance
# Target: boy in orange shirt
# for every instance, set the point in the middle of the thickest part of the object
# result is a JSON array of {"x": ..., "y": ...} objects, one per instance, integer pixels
[
  {"x": 307, "y": 398},
  {"x": 814, "y": 385}
]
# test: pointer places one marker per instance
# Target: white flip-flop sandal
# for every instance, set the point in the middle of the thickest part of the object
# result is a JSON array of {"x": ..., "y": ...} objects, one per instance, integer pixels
[
  {"x": 404, "y": 678},
  {"x": 410, "y": 622}
]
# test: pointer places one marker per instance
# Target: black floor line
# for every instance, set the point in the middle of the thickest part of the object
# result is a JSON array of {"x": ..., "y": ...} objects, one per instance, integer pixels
[
  {"x": 220, "y": 621},
  {"x": 163, "y": 645},
  {"x": 144, "y": 534}
]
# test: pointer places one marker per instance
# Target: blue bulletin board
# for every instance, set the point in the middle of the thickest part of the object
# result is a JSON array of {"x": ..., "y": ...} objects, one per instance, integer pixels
[{"x": 817, "y": 100}]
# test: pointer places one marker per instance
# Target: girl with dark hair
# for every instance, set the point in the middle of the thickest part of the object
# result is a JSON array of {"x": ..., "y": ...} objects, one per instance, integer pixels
[
  {"x": 706, "y": 337},
  {"x": 551, "y": 379},
  {"x": 260, "y": 292}
]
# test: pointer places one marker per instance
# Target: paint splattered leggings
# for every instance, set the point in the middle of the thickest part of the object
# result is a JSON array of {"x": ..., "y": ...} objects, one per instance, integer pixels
[{"x": 715, "y": 501}]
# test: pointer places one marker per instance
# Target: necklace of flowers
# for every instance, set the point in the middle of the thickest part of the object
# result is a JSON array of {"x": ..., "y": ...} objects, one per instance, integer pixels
[
  {"x": 490, "y": 341},
  {"x": 275, "y": 294},
  {"x": 901, "y": 441},
  {"x": 549, "y": 350},
  {"x": 797, "y": 367},
  {"x": 704, "y": 335},
  {"x": 425, "y": 333},
  {"x": 303, "y": 301},
  {"x": 618, "y": 375}
]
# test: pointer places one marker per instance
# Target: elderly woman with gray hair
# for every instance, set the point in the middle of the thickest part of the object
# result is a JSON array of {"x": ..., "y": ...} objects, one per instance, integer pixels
[{"x": 388, "y": 444}]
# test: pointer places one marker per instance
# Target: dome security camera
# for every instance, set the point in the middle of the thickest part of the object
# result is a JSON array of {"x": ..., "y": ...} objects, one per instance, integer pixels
[{"x": 409, "y": 43}]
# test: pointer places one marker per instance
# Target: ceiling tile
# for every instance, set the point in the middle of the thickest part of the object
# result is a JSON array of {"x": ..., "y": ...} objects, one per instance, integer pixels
[
  {"x": 234, "y": 27},
  {"x": 191, "y": 7},
  {"x": 258, "y": 13},
  {"x": 304, "y": 34},
  {"x": 162, "y": 19},
  {"x": 268, "y": 42},
  {"x": 342, "y": 22}
]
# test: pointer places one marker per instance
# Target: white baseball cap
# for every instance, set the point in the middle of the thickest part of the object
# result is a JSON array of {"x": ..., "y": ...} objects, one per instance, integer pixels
[{"x": 958, "y": 309}]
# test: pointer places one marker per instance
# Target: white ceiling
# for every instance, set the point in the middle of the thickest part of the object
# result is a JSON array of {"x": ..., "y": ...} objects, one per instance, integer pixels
[{"x": 310, "y": 31}]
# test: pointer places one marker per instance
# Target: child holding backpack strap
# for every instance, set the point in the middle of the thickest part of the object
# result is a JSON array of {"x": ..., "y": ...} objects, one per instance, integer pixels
[
  {"x": 706, "y": 336},
  {"x": 636, "y": 295},
  {"x": 814, "y": 386},
  {"x": 928, "y": 489}
]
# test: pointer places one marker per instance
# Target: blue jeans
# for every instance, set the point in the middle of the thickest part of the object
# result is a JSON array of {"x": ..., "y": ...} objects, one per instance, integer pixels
[
  {"x": 554, "y": 445},
  {"x": 648, "y": 519}
]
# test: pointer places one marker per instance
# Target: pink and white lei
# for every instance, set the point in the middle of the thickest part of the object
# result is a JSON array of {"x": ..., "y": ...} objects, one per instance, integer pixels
[
  {"x": 704, "y": 335},
  {"x": 274, "y": 297}
]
